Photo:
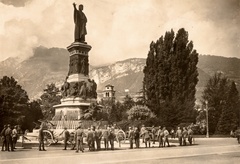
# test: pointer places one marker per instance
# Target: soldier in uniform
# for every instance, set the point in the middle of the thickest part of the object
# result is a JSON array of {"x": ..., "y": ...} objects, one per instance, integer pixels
[
  {"x": 131, "y": 137},
  {"x": 105, "y": 136},
  {"x": 98, "y": 138},
  {"x": 146, "y": 138},
  {"x": 160, "y": 136},
  {"x": 190, "y": 135},
  {"x": 137, "y": 137},
  {"x": 66, "y": 137},
  {"x": 8, "y": 134},
  {"x": 142, "y": 131},
  {"x": 79, "y": 139},
  {"x": 14, "y": 136},
  {"x": 165, "y": 137},
  {"x": 238, "y": 134},
  {"x": 153, "y": 134},
  {"x": 3, "y": 136},
  {"x": 184, "y": 135},
  {"x": 179, "y": 136},
  {"x": 90, "y": 139},
  {"x": 111, "y": 137},
  {"x": 41, "y": 139}
]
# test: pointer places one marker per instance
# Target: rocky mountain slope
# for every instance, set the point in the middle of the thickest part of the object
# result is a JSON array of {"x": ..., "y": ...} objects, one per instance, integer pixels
[{"x": 51, "y": 66}]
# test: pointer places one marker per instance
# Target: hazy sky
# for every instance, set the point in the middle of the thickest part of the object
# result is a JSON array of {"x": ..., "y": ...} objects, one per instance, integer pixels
[{"x": 119, "y": 29}]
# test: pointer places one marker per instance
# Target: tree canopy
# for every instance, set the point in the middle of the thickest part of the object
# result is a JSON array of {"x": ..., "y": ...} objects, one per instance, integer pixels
[
  {"x": 49, "y": 98},
  {"x": 170, "y": 78},
  {"x": 140, "y": 112},
  {"x": 223, "y": 104},
  {"x": 15, "y": 108}
]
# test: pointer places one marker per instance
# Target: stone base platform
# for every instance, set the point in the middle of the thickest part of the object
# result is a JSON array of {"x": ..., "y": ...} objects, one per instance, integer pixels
[{"x": 72, "y": 108}]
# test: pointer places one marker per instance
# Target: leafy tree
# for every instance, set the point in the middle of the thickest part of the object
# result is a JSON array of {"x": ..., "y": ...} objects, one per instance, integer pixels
[
  {"x": 49, "y": 98},
  {"x": 128, "y": 102},
  {"x": 223, "y": 101},
  {"x": 14, "y": 102},
  {"x": 170, "y": 78},
  {"x": 93, "y": 113},
  {"x": 118, "y": 112},
  {"x": 15, "y": 108},
  {"x": 33, "y": 114},
  {"x": 140, "y": 112},
  {"x": 228, "y": 120}
]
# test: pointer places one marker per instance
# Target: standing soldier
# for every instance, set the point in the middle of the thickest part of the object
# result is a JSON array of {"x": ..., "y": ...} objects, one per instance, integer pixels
[
  {"x": 137, "y": 137},
  {"x": 3, "y": 136},
  {"x": 41, "y": 139},
  {"x": 184, "y": 135},
  {"x": 90, "y": 139},
  {"x": 146, "y": 138},
  {"x": 105, "y": 136},
  {"x": 141, "y": 132},
  {"x": 14, "y": 136},
  {"x": 98, "y": 137},
  {"x": 94, "y": 137},
  {"x": 190, "y": 135},
  {"x": 153, "y": 134},
  {"x": 111, "y": 137},
  {"x": 131, "y": 137},
  {"x": 79, "y": 139},
  {"x": 160, "y": 136},
  {"x": 238, "y": 134},
  {"x": 165, "y": 137},
  {"x": 179, "y": 136},
  {"x": 66, "y": 137},
  {"x": 8, "y": 134}
]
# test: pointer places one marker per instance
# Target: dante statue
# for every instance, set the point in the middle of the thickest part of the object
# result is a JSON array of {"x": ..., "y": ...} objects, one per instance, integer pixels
[{"x": 80, "y": 21}]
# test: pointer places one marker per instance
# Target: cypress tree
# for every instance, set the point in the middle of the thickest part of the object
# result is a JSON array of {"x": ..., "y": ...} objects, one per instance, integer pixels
[
  {"x": 170, "y": 78},
  {"x": 228, "y": 120}
]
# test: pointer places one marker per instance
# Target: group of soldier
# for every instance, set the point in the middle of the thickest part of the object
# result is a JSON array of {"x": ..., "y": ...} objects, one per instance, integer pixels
[
  {"x": 9, "y": 137},
  {"x": 93, "y": 136},
  {"x": 159, "y": 134}
]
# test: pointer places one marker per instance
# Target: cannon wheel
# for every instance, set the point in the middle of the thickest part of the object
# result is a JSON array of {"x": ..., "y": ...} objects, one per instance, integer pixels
[
  {"x": 48, "y": 137},
  {"x": 121, "y": 136}
]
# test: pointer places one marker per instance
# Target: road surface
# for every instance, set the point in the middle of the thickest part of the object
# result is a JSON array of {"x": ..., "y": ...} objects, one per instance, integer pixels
[{"x": 204, "y": 151}]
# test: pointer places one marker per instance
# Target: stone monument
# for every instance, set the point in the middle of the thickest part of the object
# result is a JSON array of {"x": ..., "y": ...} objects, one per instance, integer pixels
[{"x": 78, "y": 91}]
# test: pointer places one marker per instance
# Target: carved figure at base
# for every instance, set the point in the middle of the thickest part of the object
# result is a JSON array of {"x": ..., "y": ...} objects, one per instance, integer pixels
[
  {"x": 83, "y": 91},
  {"x": 94, "y": 88},
  {"x": 65, "y": 88},
  {"x": 74, "y": 90}
]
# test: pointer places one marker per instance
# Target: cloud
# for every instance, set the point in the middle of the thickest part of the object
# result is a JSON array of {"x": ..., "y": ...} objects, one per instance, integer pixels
[
  {"x": 119, "y": 29},
  {"x": 16, "y": 3}
]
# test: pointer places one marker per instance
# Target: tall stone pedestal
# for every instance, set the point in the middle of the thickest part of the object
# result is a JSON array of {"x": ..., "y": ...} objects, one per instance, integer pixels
[{"x": 78, "y": 90}]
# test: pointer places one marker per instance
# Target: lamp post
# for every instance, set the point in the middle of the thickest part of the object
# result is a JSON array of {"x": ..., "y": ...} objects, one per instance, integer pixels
[{"x": 207, "y": 135}]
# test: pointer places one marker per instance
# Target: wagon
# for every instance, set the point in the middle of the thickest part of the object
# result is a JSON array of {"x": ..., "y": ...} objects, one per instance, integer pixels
[{"x": 53, "y": 133}]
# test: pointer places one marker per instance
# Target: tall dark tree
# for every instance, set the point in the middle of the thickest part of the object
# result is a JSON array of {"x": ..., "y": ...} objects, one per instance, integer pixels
[
  {"x": 14, "y": 102},
  {"x": 223, "y": 101},
  {"x": 15, "y": 108},
  {"x": 229, "y": 116},
  {"x": 33, "y": 114},
  {"x": 170, "y": 78},
  {"x": 49, "y": 98}
]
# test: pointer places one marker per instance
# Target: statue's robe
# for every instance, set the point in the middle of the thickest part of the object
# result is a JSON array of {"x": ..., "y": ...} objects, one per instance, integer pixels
[{"x": 80, "y": 21}]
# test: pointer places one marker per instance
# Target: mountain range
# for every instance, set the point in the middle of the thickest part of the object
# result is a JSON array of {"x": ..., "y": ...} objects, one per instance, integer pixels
[{"x": 51, "y": 66}]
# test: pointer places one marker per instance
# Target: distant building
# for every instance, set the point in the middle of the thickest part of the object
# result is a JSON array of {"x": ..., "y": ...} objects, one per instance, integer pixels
[{"x": 109, "y": 93}]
